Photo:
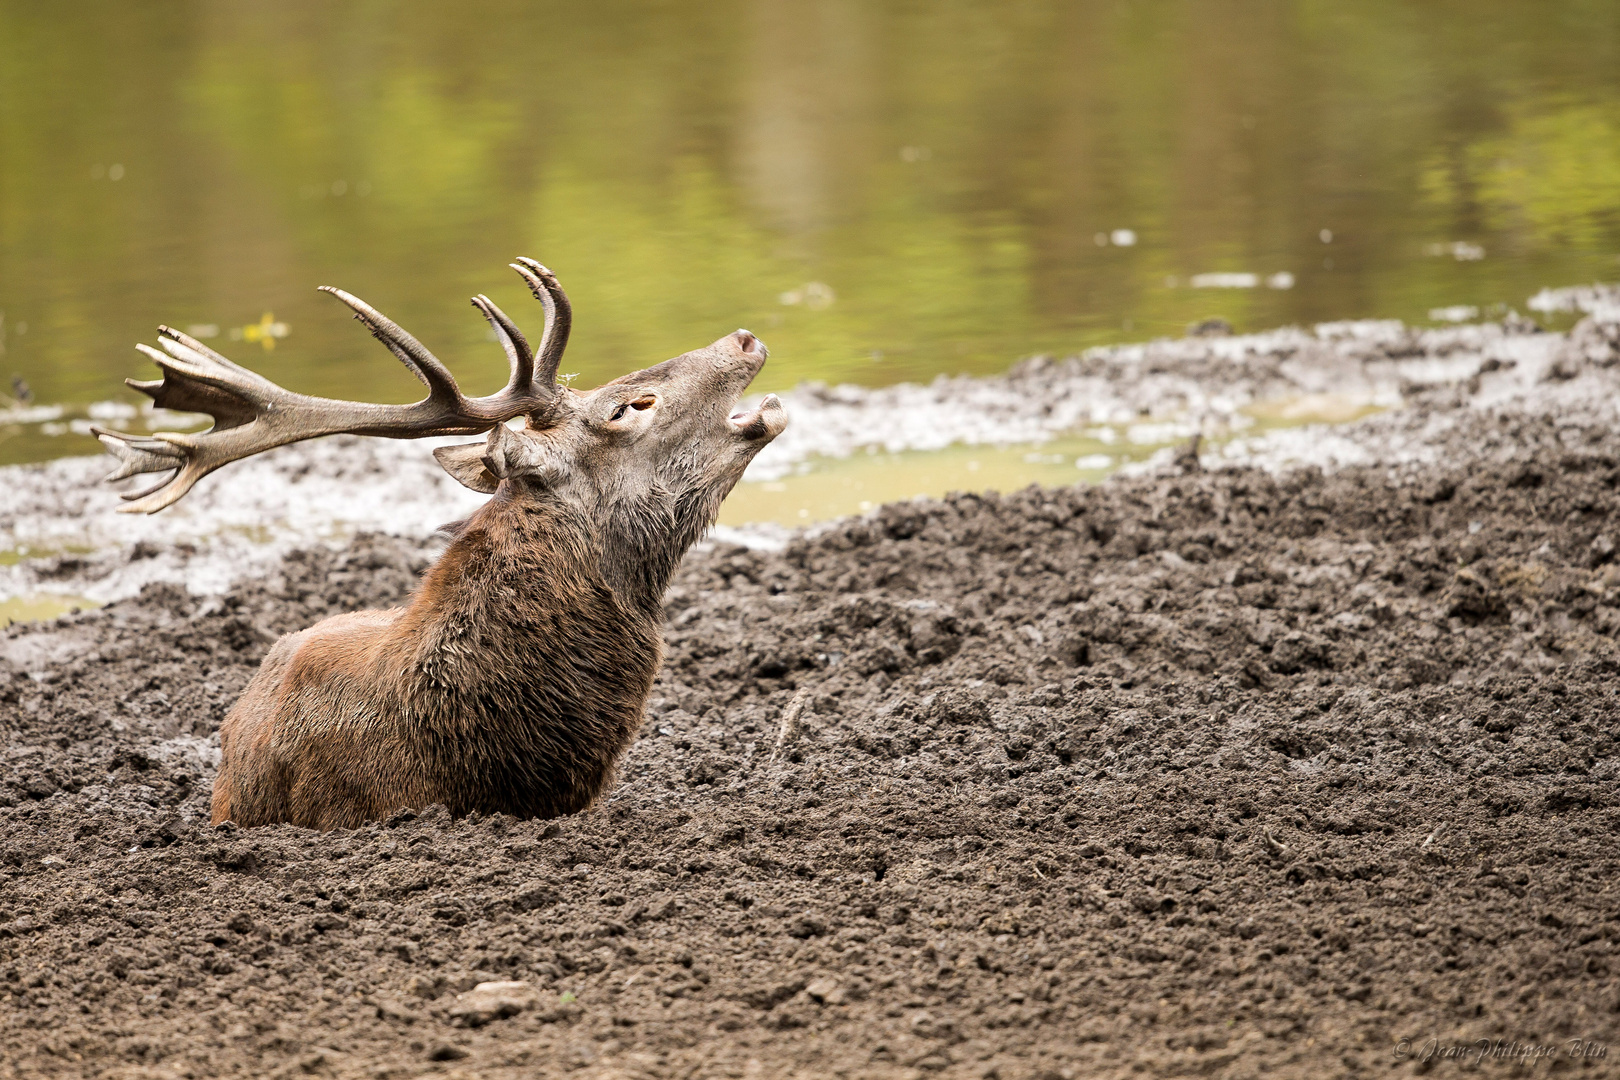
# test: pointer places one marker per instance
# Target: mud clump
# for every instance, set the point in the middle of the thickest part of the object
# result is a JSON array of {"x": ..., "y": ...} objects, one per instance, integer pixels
[{"x": 1218, "y": 773}]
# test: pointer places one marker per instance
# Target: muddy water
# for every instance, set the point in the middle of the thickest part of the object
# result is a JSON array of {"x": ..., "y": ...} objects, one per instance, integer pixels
[
  {"x": 828, "y": 487},
  {"x": 1279, "y": 399},
  {"x": 42, "y": 607}
]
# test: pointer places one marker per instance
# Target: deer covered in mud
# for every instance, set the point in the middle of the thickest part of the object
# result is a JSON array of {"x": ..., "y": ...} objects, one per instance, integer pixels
[{"x": 517, "y": 674}]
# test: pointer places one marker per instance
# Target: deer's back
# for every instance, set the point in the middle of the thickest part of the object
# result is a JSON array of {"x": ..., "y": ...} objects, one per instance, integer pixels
[
  {"x": 368, "y": 712},
  {"x": 315, "y": 738}
]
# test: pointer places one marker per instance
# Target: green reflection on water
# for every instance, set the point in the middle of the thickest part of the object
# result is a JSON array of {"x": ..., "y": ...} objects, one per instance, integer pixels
[{"x": 936, "y": 185}]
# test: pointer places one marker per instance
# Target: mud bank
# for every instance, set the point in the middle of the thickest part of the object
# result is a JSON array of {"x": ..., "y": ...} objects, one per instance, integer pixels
[
  {"x": 60, "y": 533},
  {"x": 1216, "y": 773}
]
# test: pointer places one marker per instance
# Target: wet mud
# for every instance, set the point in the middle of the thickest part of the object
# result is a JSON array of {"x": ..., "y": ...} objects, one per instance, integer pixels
[{"x": 1193, "y": 774}]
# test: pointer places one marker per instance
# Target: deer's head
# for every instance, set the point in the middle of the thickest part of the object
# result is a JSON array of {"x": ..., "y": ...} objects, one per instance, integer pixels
[
  {"x": 646, "y": 458},
  {"x": 666, "y": 432}
]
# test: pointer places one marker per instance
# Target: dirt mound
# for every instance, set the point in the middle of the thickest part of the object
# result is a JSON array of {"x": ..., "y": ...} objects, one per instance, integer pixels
[{"x": 1212, "y": 774}]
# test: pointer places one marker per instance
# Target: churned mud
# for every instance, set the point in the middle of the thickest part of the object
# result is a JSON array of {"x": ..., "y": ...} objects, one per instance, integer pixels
[
  {"x": 1206, "y": 774},
  {"x": 1194, "y": 773}
]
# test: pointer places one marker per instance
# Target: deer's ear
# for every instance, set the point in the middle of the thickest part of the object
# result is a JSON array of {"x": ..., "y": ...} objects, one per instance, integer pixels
[
  {"x": 509, "y": 454},
  {"x": 482, "y": 466},
  {"x": 466, "y": 464}
]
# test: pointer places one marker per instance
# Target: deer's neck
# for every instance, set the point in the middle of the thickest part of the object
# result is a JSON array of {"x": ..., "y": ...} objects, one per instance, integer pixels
[
  {"x": 644, "y": 538},
  {"x": 521, "y": 597},
  {"x": 520, "y": 673}
]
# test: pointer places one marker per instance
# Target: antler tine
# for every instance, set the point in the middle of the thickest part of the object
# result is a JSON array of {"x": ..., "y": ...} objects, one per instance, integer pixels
[
  {"x": 137, "y": 455},
  {"x": 559, "y": 316},
  {"x": 518, "y": 353},
  {"x": 185, "y": 347},
  {"x": 165, "y": 452},
  {"x": 412, "y": 353},
  {"x": 195, "y": 383}
]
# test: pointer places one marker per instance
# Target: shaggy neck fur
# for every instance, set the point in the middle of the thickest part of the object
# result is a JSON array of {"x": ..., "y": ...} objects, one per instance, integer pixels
[
  {"x": 520, "y": 653},
  {"x": 644, "y": 538}
]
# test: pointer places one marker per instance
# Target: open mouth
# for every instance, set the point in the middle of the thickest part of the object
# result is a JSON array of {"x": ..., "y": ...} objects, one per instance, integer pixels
[
  {"x": 768, "y": 418},
  {"x": 765, "y": 421}
]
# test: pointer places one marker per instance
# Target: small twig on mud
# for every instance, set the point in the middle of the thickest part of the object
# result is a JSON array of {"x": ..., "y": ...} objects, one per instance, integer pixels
[
  {"x": 1036, "y": 867},
  {"x": 1186, "y": 457},
  {"x": 790, "y": 726},
  {"x": 1437, "y": 831}
]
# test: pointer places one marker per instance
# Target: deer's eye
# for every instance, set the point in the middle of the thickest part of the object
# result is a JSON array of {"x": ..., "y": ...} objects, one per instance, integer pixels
[{"x": 641, "y": 404}]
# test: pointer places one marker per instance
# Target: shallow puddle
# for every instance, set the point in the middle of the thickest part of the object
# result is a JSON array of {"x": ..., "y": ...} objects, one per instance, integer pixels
[
  {"x": 15, "y": 555},
  {"x": 826, "y": 488},
  {"x": 833, "y": 487},
  {"x": 41, "y": 607}
]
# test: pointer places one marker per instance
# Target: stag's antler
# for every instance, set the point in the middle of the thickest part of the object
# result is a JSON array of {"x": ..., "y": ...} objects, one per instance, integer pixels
[{"x": 252, "y": 414}]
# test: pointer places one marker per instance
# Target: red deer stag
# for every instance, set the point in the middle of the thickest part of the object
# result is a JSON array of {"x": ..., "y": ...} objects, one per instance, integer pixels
[{"x": 516, "y": 677}]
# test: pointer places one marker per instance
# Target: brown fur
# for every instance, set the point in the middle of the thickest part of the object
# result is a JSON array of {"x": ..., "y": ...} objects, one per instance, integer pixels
[{"x": 516, "y": 677}]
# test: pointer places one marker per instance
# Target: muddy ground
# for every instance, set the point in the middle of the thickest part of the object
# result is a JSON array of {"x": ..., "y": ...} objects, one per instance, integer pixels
[{"x": 1213, "y": 774}]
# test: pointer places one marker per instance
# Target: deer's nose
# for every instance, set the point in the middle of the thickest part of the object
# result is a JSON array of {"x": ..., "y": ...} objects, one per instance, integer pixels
[{"x": 748, "y": 343}]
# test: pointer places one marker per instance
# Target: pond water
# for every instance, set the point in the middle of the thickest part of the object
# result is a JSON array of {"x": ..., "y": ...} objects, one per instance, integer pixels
[{"x": 883, "y": 191}]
